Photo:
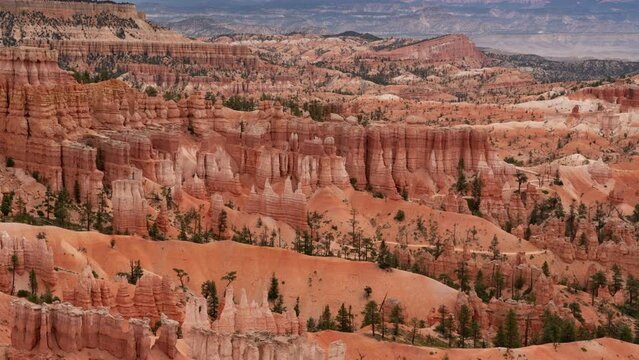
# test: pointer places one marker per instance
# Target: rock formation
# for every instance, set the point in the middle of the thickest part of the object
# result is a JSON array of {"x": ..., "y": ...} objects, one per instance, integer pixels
[
  {"x": 129, "y": 207},
  {"x": 89, "y": 292},
  {"x": 155, "y": 295},
  {"x": 152, "y": 297},
  {"x": 167, "y": 336},
  {"x": 447, "y": 48},
  {"x": 247, "y": 331},
  {"x": 62, "y": 327},
  {"x": 31, "y": 254},
  {"x": 249, "y": 318},
  {"x": 206, "y": 344},
  {"x": 290, "y": 207}
]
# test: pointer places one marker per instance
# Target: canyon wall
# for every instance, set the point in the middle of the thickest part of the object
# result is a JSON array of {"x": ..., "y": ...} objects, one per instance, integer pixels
[
  {"x": 62, "y": 327},
  {"x": 129, "y": 207},
  {"x": 31, "y": 254},
  {"x": 153, "y": 296},
  {"x": 49, "y": 127}
]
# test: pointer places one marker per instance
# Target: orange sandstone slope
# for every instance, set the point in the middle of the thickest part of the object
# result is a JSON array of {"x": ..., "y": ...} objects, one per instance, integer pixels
[
  {"x": 360, "y": 346},
  {"x": 318, "y": 281}
]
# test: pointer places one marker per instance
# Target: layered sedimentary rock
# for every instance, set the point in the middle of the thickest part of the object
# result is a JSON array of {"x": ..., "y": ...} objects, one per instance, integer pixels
[
  {"x": 626, "y": 96},
  {"x": 89, "y": 292},
  {"x": 445, "y": 48},
  {"x": 289, "y": 207},
  {"x": 252, "y": 317},
  {"x": 216, "y": 170},
  {"x": 31, "y": 254},
  {"x": 246, "y": 331},
  {"x": 30, "y": 66},
  {"x": 206, "y": 344},
  {"x": 152, "y": 296},
  {"x": 135, "y": 36},
  {"x": 167, "y": 336},
  {"x": 63, "y": 327},
  {"x": 115, "y": 158},
  {"x": 235, "y": 153},
  {"x": 129, "y": 207},
  {"x": 79, "y": 170},
  {"x": 217, "y": 206}
]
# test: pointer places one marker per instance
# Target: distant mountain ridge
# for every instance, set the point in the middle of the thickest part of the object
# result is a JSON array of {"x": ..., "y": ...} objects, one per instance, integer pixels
[{"x": 482, "y": 20}]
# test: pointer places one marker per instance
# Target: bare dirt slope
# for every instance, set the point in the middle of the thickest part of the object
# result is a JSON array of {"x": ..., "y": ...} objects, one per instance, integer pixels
[
  {"x": 317, "y": 280},
  {"x": 358, "y": 345}
]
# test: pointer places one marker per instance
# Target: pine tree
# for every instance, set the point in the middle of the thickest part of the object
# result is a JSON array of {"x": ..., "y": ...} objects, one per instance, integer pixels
[
  {"x": 512, "y": 331},
  {"x": 480, "y": 287},
  {"x": 521, "y": 178},
  {"x": 396, "y": 317},
  {"x": 617, "y": 279},
  {"x": 209, "y": 292},
  {"x": 61, "y": 207},
  {"x": 33, "y": 282},
  {"x": 343, "y": 320},
  {"x": 384, "y": 256},
  {"x": 500, "y": 338},
  {"x": 7, "y": 203},
  {"x": 371, "y": 315},
  {"x": 475, "y": 204},
  {"x": 273, "y": 291},
  {"x": 462, "y": 275},
  {"x": 494, "y": 248},
  {"x": 442, "y": 327},
  {"x": 87, "y": 214},
  {"x": 461, "y": 185},
  {"x": 463, "y": 325},
  {"x": 13, "y": 268},
  {"x": 221, "y": 223},
  {"x": 278, "y": 306},
  {"x": 135, "y": 272},
  {"x": 311, "y": 325},
  {"x": 325, "y": 321},
  {"x": 597, "y": 280},
  {"x": 632, "y": 290},
  {"x": 475, "y": 332},
  {"x": 296, "y": 308}
]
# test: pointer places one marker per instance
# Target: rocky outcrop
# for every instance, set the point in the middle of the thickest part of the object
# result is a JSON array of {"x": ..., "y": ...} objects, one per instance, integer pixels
[
  {"x": 217, "y": 171},
  {"x": 31, "y": 254},
  {"x": 626, "y": 96},
  {"x": 138, "y": 131},
  {"x": 246, "y": 331},
  {"x": 79, "y": 167},
  {"x": 252, "y": 318},
  {"x": 65, "y": 328},
  {"x": 216, "y": 208},
  {"x": 289, "y": 207},
  {"x": 167, "y": 336},
  {"x": 89, "y": 292},
  {"x": 30, "y": 66},
  {"x": 447, "y": 48},
  {"x": 195, "y": 314},
  {"x": 206, "y": 344},
  {"x": 115, "y": 158},
  {"x": 154, "y": 296},
  {"x": 129, "y": 207}
]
